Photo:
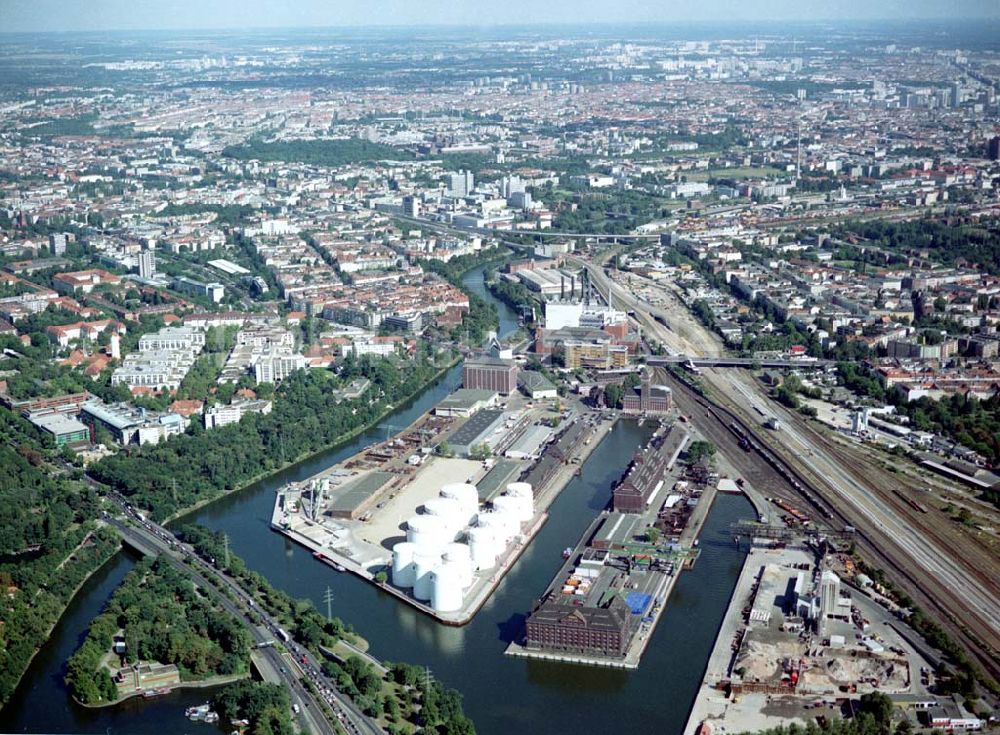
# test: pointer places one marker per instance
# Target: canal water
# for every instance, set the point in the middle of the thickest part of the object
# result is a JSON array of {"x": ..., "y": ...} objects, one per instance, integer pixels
[
  {"x": 473, "y": 280},
  {"x": 502, "y": 694}
]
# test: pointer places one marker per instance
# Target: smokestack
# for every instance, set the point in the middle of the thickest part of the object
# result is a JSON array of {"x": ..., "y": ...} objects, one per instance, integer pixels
[{"x": 562, "y": 288}]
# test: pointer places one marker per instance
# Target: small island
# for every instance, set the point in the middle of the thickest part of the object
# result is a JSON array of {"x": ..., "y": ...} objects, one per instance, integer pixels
[{"x": 158, "y": 632}]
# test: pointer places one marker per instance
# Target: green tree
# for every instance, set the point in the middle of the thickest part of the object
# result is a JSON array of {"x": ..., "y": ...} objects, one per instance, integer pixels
[
  {"x": 613, "y": 395},
  {"x": 700, "y": 450}
]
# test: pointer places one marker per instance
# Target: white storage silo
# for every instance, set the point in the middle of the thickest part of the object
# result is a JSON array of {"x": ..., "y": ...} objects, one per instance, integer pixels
[
  {"x": 526, "y": 499},
  {"x": 449, "y": 511},
  {"x": 466, "y": 495},
  {"x": 482, "y": 547},
  {"x": 402, "y": 564},
  {"x": 459, "y": 556},
  {"x": 495, "y": 522},
  {"x": 446, "y": 589},
  {"x": 425, "y": 531},
  {"x": 508, "y": 505},
  {"x": 424, "y": 562}
]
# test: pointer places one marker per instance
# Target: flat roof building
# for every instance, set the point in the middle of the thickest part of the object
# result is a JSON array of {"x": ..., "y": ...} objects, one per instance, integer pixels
[
  {"x": 490, "y": 373},
  {"x": 355, "y": 497},
  {"x": 64, "y": 429},
  {"x": 476, "y": 431},
  {"x": 466, "y": 401}
]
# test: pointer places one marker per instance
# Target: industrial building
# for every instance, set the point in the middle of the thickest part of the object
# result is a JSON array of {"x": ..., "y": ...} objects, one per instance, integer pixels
[
  {"x": 530, "y": 444},
  {"x": 559, "y": 623},
  {"x": 476, "y": 431},
  {"x": 465, "y": 402},
  {"x": 354, "y": 498},
  {"x": 490, "y": 373},
  {"x": 647, "y": 473},
  {"x": 647, "y": 398},
  {"x": 560, "y": 314},
  {"x": 536, "y": 386}
]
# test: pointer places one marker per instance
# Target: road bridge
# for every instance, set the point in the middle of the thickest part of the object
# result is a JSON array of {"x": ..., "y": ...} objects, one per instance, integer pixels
[
  {"x": 153, "y": 539},
  {"x": 738, "y": 362}
]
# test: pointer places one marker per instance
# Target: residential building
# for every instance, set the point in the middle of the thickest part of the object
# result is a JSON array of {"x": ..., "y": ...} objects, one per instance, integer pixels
[{"x": 217, "y": 416}]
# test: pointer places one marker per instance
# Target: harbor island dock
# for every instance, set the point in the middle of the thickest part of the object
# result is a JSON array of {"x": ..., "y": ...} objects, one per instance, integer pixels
[
  {"x": 604, "y": 603},
  {"x": 438, "y": 514}
]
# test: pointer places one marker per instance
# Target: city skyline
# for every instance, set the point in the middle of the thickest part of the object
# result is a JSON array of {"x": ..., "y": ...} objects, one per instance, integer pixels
[{"x": 119, "y": 15}]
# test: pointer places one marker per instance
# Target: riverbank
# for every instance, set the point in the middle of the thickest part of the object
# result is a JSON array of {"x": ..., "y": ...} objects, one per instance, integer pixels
[
  {"x": 106, "y": 560},
  {"x": 213, "y": 681},
  {"x": 341, "y": 441}
]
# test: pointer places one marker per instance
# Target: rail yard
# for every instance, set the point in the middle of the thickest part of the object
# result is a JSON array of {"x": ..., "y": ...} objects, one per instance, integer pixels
[{"x": 890, "y": 531}]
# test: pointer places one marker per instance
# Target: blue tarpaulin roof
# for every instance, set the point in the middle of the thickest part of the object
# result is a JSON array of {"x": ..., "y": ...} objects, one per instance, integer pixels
[{"x": 637, "y": 602}]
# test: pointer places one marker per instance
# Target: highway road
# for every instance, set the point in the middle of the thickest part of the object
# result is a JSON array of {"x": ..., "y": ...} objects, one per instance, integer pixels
[{"x": 150, "y": 536}]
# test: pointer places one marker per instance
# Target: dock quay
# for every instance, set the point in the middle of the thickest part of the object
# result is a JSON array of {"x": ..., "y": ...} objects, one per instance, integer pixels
[
  {"x": 412, "y": 521},
  {"x": 604, "y": 603}
]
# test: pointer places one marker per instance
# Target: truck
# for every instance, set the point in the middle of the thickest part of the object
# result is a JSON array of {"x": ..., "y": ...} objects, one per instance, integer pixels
[{"x": 283, "y": 635}]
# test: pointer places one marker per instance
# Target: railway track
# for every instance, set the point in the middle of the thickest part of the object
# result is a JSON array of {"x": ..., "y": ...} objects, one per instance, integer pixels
[{"x": 715, "y": 422}]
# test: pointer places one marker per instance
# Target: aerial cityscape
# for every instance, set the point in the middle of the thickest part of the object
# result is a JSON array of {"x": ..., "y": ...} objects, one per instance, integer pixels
[{"x": 436, "y": 368}]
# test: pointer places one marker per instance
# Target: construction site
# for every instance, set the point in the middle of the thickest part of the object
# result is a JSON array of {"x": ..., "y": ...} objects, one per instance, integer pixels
[
  {"x": 437, "y": 515},
  {"x": 805, "y": 631}
]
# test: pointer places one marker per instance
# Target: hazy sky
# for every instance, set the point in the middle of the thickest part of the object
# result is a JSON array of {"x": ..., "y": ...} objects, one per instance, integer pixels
[{"x": 96, "y": 15}]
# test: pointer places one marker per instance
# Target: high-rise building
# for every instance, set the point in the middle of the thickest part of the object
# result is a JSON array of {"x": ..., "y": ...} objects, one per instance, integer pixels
[
  {"x": 411, "y": 206},
  {"x": 993, "y": 148},
  {"x": 147, "y": 264},
  {"x": 57, "y": 243},
  {"x": 462, "y": 183}
]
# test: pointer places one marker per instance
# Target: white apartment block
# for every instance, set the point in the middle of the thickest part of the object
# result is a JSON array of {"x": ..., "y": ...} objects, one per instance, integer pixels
[{"x": 273, "y": 367}]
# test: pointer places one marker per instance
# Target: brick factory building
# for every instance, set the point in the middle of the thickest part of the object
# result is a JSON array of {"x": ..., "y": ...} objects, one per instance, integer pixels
[
  {"x": 559, "y": 625},
  {"x": 645, "y": 476},
  {"x": 647, "y": 398},
  {"x": 490, "y": 373}
]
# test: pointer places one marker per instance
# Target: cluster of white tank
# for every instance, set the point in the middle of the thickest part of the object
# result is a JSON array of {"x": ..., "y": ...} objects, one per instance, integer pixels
[
  {"x": 495, "y": 529},
  {"x": 431, "y": 561}
]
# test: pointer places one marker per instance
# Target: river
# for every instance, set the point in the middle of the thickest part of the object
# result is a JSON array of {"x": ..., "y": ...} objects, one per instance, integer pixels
[{"x": 502, "y": 694}]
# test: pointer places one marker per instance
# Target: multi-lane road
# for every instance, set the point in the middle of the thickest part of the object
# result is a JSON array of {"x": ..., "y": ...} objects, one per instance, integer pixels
[{"x": 151, "y": 537}]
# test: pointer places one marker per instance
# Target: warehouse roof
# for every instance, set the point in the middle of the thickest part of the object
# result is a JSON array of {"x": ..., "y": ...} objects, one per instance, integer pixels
[
  {"x": 475, "y": 427},
  {"x": 465, "y": 399},
  {"x": 498, "y": 477},
  {"x": 351, "y": 494}
]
